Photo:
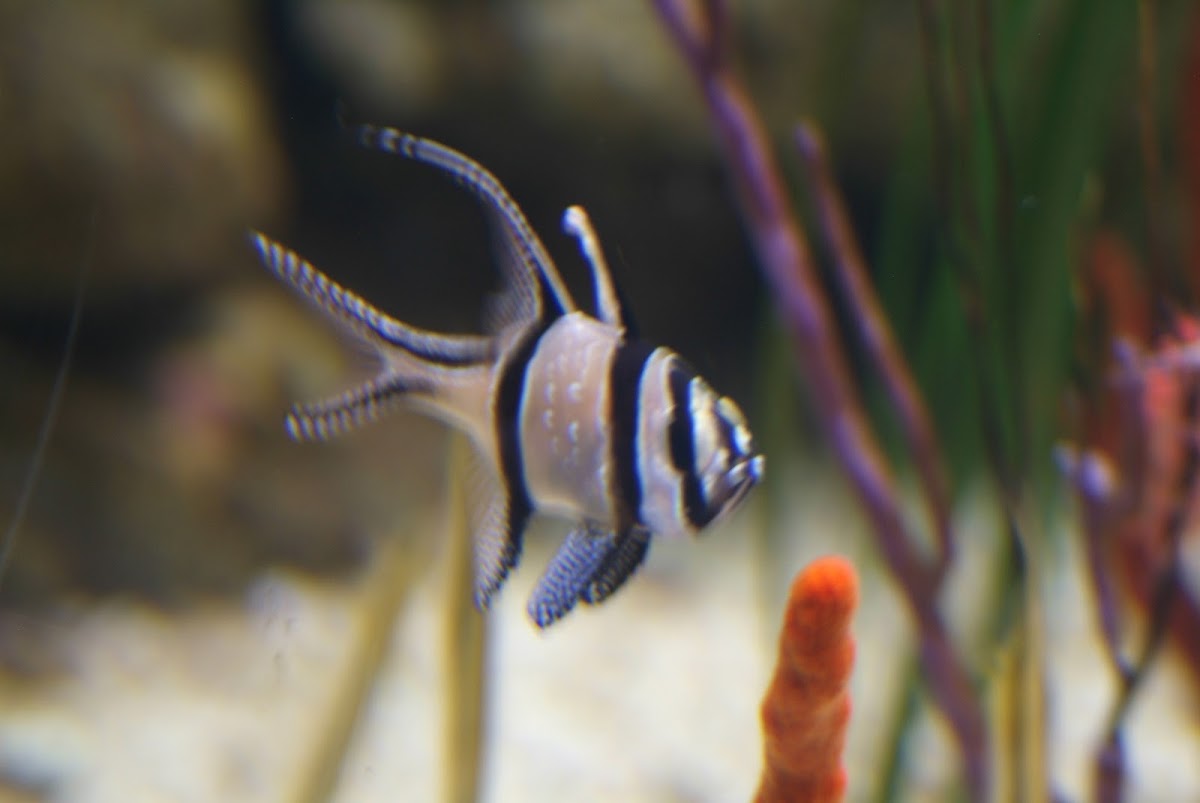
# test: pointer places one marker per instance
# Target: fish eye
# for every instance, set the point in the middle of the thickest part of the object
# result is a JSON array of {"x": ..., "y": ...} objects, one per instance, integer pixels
[{"x": 710, "y": 446}]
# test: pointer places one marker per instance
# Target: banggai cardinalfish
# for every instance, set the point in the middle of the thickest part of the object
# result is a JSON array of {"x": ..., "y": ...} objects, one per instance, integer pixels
[{"x": 571, "y": 413}]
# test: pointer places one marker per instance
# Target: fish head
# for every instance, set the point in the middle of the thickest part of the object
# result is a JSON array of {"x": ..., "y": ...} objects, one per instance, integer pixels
[{"x": 713, "y": 459}]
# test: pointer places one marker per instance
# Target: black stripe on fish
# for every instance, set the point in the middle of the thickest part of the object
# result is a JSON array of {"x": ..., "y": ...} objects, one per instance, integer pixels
[
  {"x": 624, "y": 413},
  {"x": 681, "y": 437},
  {"x": 728, "y": 434},
  {"x": 510, "y": 401},
  {"x": 631, "y": 548}
]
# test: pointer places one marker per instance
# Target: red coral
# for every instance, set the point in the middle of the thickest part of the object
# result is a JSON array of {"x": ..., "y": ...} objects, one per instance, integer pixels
[
  {"x": 807, "y": 706},
  {"x": 1141, "y": 418}
]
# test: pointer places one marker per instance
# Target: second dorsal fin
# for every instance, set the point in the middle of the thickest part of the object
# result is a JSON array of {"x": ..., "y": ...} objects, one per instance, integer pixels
[{"x": 610, "y": 305}]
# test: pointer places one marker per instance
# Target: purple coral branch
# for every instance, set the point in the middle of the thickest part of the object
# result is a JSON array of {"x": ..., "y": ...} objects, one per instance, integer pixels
[
  {"x": 1105, "y": 507},
  {"x": 783, "y": 254},
  {"x": 1104, "y": 503},
  {"x": 875, "y": 333},
  {"x": 1097, "y": 527}
]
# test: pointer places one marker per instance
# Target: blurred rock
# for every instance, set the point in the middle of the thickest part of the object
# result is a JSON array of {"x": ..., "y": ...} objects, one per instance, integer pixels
[
  {"x": 144, "y": 114},
  {"x": 177, "y": 480},
  {"x": 390, "y": 56}
]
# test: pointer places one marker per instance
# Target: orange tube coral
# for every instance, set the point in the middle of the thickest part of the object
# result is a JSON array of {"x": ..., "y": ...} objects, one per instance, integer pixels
[{"x": 807, "y": 707}]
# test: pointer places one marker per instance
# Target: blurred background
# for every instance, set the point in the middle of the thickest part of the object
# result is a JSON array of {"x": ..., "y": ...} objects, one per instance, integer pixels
[{"x": 196, "y": 608}]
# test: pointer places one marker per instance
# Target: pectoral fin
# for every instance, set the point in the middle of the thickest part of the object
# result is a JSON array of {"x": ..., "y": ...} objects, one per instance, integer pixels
[
  {"x": 623, "y": 560},
  {"x": 571, "y": 569}
]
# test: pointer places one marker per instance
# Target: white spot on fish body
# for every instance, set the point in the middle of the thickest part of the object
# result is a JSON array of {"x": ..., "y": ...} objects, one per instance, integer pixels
[{"x": 575, "y": 392}]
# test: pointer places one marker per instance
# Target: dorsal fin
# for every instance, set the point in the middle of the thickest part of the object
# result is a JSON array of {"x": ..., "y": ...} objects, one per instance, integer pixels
[
  {"x": 610, "y": 306},
  {"x": 531, "y": 271}
]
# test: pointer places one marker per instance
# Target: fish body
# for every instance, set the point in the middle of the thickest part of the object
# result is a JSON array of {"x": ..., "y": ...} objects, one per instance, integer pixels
[{"x": 571, "y": 413}]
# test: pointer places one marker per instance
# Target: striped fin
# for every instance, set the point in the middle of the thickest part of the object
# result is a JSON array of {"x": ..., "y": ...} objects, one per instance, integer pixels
[
  {"x": 570, "y": 570},
  {"x": 499, "y": 531},
  {"x": 527, "y": 257},
  {"x": 364, "y": 320},
  {"x": 352, "y": 409},
  {"x": 624, "y": 559},
  {"x": 610, "y": 306},
  {"x": 509, "y": 506}
]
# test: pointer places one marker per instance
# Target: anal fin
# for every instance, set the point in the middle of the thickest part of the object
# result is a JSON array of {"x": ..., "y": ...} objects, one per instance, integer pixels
[
  {"x": 499, "y": 522},
  {"x": 570, "y": 571}
]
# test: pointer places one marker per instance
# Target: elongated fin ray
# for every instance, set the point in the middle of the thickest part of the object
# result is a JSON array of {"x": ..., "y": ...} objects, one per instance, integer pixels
[
  {"x": 624, "y": 559},
  {"x": 364, "y": 320},
  {"x": 524, "y": 247},
  {"x": 354, "y": 408},
  {"x": 568, "y": 574},
  {"x": 610, "y": 306}
]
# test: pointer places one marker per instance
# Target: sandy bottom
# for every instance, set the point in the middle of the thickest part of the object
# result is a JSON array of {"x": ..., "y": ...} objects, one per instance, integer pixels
[{"x": 652, "y": 697}]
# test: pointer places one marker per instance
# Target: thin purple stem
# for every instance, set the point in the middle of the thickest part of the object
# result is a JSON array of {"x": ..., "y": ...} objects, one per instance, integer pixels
[
  {"x": 875, "y": 334},
  {"x": 785, "y": 260}
]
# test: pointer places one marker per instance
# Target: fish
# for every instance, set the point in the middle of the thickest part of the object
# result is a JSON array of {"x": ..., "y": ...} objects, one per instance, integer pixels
[{"x": 571, "y": 413}]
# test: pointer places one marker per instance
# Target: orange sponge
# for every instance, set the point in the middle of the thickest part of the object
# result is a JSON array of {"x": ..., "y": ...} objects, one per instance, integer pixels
[{"x": 807, "y": 707}]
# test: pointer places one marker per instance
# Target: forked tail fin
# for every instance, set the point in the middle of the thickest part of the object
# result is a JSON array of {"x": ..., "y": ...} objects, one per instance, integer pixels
[
  {"x": 352, "y": 409},
  {"x": 365, "y": 321},
  {"x": 416, "y": 363}
]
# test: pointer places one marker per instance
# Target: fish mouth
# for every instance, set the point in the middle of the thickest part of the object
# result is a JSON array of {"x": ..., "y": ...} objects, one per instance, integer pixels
[
  {"x": 752, "y": 473},
  {"x": 741, "y": 490}
]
